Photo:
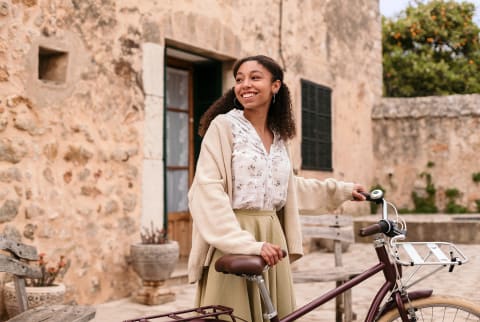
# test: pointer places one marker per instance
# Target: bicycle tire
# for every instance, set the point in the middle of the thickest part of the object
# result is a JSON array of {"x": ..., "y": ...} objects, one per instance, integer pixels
[{"x": 438, "y": 308}]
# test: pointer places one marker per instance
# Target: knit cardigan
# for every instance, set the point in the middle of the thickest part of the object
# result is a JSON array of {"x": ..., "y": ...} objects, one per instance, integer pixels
[{"x": 210, "y": 204}]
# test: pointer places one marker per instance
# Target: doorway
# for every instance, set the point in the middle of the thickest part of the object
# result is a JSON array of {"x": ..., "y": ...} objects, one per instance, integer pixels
[{"x": 192, "y": 84}]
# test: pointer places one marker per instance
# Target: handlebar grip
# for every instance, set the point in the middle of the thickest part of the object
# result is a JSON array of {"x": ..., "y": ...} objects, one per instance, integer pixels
[
  {"x": 366, "y": 195},
  {"x": 370, "y": 230},
  {"x": 383, "y": 226}
]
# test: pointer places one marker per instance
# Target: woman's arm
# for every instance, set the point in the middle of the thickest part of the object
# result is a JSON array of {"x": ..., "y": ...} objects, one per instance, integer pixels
[{"x": 321, "y": 196}]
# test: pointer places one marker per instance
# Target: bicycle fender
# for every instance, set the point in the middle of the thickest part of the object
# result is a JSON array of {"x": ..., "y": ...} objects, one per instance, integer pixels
[{"x": 414, "y": 295}]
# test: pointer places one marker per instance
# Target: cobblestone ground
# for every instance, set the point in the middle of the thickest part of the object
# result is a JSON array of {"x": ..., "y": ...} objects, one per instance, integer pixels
[{"x": 462, "y": 282}]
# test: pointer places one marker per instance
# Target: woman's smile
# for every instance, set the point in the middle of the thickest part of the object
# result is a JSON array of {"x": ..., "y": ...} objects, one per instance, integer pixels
[{"x": 248, "y": 95}]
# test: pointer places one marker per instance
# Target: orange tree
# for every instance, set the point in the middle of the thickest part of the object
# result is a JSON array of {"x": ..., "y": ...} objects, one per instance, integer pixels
[{"x": 431, "y": 48}]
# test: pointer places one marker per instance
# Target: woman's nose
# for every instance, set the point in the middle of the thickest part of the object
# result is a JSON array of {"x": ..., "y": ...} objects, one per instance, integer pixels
[{"x": 246, "y": 82}]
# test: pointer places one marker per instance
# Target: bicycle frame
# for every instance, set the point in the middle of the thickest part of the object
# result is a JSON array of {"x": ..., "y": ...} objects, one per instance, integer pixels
[
  {"x": 393, "y": 287},
  {"x": 386, "y": 266}
]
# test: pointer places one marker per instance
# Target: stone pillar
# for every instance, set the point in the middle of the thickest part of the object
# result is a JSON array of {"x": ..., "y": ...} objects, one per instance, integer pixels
[{"x": 153, "y": 176}]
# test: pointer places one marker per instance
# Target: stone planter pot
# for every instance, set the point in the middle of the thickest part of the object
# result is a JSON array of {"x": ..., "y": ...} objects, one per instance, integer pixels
[
  {"x": 36, "y": 296},
  {"x": 154, "y": 263}
]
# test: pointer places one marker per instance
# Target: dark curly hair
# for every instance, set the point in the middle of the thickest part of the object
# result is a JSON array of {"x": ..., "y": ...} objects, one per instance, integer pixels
[{"x": 280, "y": 115}]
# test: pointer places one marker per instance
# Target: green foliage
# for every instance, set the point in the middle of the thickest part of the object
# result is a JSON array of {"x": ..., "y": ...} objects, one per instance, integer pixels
[
  {"x": 478, "y": 204},
  {"x": 452, "y": 207},
  {"x": 433, "y": 48},
  {"x": 476, "y": 177},
  {"x": 404, "y": 211},
  {"x": 452, "y": 193},
  {"x": 425, "y": 204}
]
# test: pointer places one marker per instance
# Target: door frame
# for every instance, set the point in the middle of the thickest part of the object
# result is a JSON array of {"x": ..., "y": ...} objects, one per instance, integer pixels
[
  {"x": 201, "y": 95},
  {"x": 182, "y": 232}
]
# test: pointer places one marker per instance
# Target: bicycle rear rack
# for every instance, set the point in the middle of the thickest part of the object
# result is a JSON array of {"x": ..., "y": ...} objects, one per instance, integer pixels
[
  {"x": 427, "y": 253},
  {"x": 196, "y": 314}
]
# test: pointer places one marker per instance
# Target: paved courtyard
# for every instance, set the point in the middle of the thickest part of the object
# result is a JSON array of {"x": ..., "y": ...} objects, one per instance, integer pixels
[{"x": 462, "y": 282}]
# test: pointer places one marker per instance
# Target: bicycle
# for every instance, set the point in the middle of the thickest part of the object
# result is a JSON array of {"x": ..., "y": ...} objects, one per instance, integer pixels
[{"x": 392, "y": 302}]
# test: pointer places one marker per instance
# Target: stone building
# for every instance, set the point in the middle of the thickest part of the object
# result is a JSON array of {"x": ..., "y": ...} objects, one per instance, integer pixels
[
  {"x": 428, "y": 141},
  {"x": 96, "y": 95}
]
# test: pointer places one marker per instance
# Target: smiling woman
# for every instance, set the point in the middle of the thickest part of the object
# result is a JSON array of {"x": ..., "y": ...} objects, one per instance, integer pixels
[{"x": 245, "y": 199}]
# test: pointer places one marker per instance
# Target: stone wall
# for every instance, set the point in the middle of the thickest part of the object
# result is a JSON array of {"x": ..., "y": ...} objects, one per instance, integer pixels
[
  {"x": 70, "y": 144},
  {"x": 434, "y": 135},
  {"x": 72, "y": 109}
]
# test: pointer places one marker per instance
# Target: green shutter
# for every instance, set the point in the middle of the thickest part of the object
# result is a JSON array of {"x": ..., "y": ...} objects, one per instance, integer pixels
[{"x": 316, "y": 126}]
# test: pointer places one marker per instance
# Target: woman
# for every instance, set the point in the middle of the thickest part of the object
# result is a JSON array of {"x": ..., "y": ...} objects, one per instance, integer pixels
[{"x": 244, "y": 198}]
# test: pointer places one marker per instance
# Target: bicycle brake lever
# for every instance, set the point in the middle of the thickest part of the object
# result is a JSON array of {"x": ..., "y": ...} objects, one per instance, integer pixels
[{"x": 393, "y": 230}]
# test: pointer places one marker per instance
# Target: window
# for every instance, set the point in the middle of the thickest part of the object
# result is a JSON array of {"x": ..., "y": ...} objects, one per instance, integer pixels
[
  {"x": 52, "y": 65},
  {"x": 316, "y": 126}
]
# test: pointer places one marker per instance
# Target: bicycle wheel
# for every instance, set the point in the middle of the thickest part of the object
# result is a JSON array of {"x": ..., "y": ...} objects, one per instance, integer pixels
[{"x": 439, "y": 308}]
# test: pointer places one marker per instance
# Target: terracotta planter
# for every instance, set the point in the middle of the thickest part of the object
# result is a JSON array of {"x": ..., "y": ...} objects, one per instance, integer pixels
[
  {"x": 154, "y": 262},
  {"x": 36, "y": 296}
]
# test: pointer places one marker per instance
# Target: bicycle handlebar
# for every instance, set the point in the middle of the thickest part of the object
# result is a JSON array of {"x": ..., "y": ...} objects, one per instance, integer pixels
[
  {"x": 370, "y": 230},
  {"x": 385, "y": 225}
]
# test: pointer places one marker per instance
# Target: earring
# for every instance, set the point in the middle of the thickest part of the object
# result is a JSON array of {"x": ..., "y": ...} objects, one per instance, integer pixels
[{"x": 274, "y": 94}]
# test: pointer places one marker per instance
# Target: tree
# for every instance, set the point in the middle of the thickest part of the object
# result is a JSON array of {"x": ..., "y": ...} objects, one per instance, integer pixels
[{"x": 431, "y": 49}]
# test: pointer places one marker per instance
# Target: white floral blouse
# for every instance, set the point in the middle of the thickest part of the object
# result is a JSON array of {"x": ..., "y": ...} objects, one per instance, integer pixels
[{"x": 260, "y": 179}]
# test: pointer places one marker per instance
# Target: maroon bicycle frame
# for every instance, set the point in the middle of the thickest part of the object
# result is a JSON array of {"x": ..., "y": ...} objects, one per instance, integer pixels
[
  {"x": 385, "y": 265},
  {"x": 390, "y": 274}
]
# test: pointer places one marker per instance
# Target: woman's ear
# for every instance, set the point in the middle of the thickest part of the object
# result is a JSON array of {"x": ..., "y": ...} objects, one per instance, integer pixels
[{"x": 276, "y": 86}]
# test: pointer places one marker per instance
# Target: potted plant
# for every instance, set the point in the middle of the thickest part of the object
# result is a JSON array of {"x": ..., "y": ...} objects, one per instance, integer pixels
[
  {"x": 154, "y": 259},
  {"x": 45, "y": 290}
]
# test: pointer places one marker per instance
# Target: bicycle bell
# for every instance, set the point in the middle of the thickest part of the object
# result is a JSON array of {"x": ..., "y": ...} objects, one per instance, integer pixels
[{"x": 376, "y": 194}]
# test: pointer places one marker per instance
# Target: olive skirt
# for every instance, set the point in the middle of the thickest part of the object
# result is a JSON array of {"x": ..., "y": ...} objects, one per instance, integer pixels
[{"x": 244, "y": 296}]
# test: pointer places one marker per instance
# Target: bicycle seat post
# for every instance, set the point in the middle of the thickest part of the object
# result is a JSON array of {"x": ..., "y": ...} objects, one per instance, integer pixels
[{"x": 270, "y": 313}]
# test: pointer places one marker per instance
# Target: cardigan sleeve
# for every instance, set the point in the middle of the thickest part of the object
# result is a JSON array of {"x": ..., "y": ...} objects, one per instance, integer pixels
[
  {"x": 209, "y": 203},
  {"x": 321, "y": 196}
]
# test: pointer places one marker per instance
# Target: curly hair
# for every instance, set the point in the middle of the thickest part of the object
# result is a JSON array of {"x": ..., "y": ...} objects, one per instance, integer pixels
[{"x": 280, "y": 115}]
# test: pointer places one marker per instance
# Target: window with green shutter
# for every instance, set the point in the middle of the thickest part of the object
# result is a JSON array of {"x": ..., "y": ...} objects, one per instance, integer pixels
[{"x": 316, "y": 126}]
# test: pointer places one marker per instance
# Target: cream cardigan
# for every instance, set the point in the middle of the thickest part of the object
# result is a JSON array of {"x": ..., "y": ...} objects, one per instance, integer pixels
[{"x": 210, "y": 203}]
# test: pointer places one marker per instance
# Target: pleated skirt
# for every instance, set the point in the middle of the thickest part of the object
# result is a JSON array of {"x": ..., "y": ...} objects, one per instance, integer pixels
[{"x": 244, "y": 296}]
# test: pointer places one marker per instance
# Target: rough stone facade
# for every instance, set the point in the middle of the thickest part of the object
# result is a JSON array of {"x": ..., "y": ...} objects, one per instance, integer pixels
[
  {"x": 81, "y": 99},
  {"x": 434, "y": 135}
]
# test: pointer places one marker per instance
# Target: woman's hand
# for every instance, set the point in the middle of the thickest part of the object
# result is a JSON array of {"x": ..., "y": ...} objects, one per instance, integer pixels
[
  {"x": 356, "y": 193},
  {"x": 271, "y": 253}
]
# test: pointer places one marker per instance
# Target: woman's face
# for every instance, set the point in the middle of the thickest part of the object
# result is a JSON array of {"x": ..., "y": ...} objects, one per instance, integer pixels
[{"x": 254, "y": 87}]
